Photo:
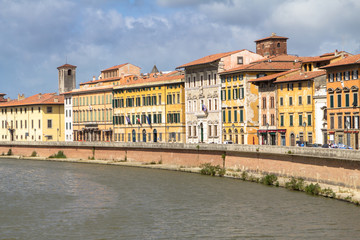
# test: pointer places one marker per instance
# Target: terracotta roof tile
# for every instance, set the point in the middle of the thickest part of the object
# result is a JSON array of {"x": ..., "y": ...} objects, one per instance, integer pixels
[
  {"x": 100, "y": 80},
  {"x": 271, "y": 37},
  {"x": 115, "y": 67},
  {"x": 38, "y": 99},
  {"x": 354, "y": 59},
  {"x": 90, "y": 89},
  {"x": 175, "y": 75},
  {"x": 276, "y": 63},
  {"x": 301, "y": 76},
  {"x": 67, "y": 65},
  {"x": 208, "y": 59},
  {"x": 273, "y": 76}
]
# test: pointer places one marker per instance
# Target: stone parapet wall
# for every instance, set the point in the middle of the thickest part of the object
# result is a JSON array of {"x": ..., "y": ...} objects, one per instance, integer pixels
[{"x": 332, "y": 166}]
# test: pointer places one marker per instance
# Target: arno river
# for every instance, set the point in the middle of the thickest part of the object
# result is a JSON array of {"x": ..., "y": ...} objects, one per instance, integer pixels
[{"x": 52, "y": 200}]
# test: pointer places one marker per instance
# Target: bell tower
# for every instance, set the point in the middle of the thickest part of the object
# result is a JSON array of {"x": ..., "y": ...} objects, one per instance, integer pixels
[{"x": 67, "y": 78}]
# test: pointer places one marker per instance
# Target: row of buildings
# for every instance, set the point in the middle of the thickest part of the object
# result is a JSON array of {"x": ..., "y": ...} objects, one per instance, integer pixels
[{"x": 268, "y": 97}]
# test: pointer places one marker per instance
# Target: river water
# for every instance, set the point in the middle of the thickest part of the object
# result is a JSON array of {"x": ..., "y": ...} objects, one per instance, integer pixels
[{"x": 54, "y": 200}]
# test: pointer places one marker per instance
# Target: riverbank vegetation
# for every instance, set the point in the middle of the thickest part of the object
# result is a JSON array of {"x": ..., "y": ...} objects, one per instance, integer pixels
[
  {"x": 60, "y": 154},
  {"x": 208, "y": 169}
]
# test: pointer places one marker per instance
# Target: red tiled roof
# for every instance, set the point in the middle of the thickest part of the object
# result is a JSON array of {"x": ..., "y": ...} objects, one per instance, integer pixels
[
  {"x": 318, "y": 58},
  {"x": 208, "y": 59},
  {"x": 114, "y": 67},
  {"x": 273, "y": 76},
  {"x": 348, "y": 60},
  {"x": 301, "y": 76},
  {"x": 67, "y": 65},
  {"x": 175, "y": 75},
  {"x": 101, "y": 80},
  {"x": 271, "y": 37},
  {"x": 275, "y": 63},
  {"x": 90, "y": 89},
  {"x": 38, "y": 99}
]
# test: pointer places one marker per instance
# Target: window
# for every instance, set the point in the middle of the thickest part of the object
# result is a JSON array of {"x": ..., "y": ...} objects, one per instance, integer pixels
[
  {"x": 290, "y": 101},
  {"x": 339, "y": 100},
  {"x": 339, "y": 122},
  {"x": 300, "y": 100},
  {"x": 49, "y": 109},
  {"x": 331, "y": 77},
  {"x": 229, "y": 94},
  {"x": 309, "y": 122},
  {"x": 278, "y": 45},
  {"x": 347, "y": 75},
  {"x": 235, "y": 116},
  {"x": 347, "y": 100},
  {"x": 300, "y": 86},
  {"x": 300, "y": 120},
  {"x": 308, "y": 99},
  {"x": 355, "y": 74},
  {"x": 338, "y": 77},
  {"x": 263, "y": 102},
  {"x": 49, "y": 123},
  {"x": 241, "y": 115},
  {"x": 331, "y": 101},
  {"x": 281, "y": 101},
  {"x": 69, "y": 72},
  {"x": 355, "y": 97},
  {"x": 215, "y": 104},
  {"x": 290, "y": 86},
  {"x": 281, "y": 120},
  {"x": 272, "y": 102},
  {"x": 291, "y": 118},
  {"x": 229, "y": 116},
  {"x": 240, "y": 60},
  {"x": 264, "y": 119},
  {"x": 223, "y": 95},
  {"x": 272, "y": 119},
  {"x": 332, "y": 122},
  {"x": 223, "y": 116}
]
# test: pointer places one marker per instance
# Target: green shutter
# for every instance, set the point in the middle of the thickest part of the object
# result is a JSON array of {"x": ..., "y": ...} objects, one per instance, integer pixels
[{"x": 241, "y": 115}]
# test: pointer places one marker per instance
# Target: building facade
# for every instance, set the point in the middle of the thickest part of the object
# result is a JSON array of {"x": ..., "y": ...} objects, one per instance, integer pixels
[
  {"x": 150, "y": 108},
  {"x": 343, "y": 101},
  {"x": 240, "y": 98},
  {"x": 92, "y": 111},
  {"x": 203, "y": 91},
  {"x": 36, "y": 118}
]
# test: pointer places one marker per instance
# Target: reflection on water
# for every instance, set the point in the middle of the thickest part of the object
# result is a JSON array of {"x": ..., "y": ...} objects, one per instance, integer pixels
[{"x": 50, "y": 200}]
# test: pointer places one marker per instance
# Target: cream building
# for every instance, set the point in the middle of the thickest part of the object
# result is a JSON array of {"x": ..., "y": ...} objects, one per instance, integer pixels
[{"x": 202, "y": 93}]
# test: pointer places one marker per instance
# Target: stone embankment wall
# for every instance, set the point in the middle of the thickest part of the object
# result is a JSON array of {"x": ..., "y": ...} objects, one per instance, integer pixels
[{"x": 332, "y": 166}]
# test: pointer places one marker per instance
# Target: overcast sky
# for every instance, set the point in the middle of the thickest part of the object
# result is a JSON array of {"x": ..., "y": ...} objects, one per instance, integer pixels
[{"x": 37, "y": 36}]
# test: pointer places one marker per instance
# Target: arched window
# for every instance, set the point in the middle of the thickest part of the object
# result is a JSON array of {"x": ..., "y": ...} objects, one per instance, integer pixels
[
  {"x": 69, "y": 72},
  {"x": 278, "y": 45}
]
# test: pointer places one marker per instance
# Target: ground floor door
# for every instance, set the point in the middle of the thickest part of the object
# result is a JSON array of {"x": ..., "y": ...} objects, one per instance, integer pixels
[
  {"x": 155, "y": 135},
  {"x": 133, "y": 136},
  {"x": 292, "y": 139}
]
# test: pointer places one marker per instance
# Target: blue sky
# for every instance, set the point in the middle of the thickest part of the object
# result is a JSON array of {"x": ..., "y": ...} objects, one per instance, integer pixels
[{"x": 37, "y": 36}]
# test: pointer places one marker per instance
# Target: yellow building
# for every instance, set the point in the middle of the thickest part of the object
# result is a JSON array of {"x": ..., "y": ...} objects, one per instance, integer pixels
[
  {"x": 150, "y": 108},
  {"x": 92, "y": 103},
  {"x": 36, "y": 118},
  {"x": 240, "y": 98}
]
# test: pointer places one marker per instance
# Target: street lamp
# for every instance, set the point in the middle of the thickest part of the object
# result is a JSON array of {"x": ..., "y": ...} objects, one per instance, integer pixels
[
  {"x": 267, "y": 132},
  {"x": 304, "y": 125}
]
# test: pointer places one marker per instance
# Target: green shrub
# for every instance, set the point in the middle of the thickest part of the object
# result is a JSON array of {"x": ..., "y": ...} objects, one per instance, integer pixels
[
  {"x": 328, "y": 192},
  {"x": 9, "y": 153},
  {"x": 60, "y": 154},
  {"x": 153, "y": 162},
  {"x": 33, "y": 154},
  {"x": 313, "y": 189},
  {"x": 269, "y": 179},
  {"x": 208, "y": 169},
  {"x": 244, "y": 175},
  {"x": 295, "y": 184}
]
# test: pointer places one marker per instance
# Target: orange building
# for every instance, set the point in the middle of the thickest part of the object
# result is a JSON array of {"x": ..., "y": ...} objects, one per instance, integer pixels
[{"x": 343, "y": 101}]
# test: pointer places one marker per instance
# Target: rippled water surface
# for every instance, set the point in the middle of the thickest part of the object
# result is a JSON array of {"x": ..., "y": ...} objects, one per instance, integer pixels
[{"x": 52, "y": 200}]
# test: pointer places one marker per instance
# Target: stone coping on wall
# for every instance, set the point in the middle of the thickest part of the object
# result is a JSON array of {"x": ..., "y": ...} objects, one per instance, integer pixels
[{"x": 345, "y": 154}]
